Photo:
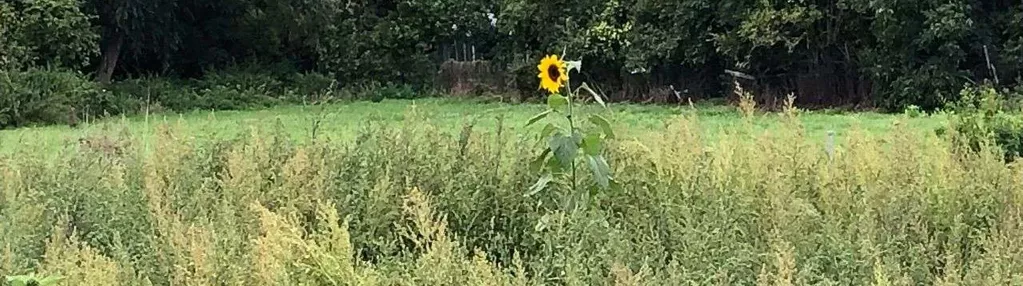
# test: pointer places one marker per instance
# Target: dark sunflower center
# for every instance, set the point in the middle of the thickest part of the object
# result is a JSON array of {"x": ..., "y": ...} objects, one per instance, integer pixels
[{"x": 554, "y": 72}]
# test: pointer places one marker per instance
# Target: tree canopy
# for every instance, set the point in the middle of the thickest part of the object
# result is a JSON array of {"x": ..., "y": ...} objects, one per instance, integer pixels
[{"x": 892, "y": 53}]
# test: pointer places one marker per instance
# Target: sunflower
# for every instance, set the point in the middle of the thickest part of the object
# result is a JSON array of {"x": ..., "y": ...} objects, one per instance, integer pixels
[{"x": 552, "y": 73}]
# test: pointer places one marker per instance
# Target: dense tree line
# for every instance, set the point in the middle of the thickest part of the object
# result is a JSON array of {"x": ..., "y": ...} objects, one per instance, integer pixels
[{"x": 888, "y": 52}]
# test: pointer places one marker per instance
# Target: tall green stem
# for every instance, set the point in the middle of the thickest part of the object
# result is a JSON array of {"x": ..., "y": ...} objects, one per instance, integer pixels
[{"x": 571, "y": 127}]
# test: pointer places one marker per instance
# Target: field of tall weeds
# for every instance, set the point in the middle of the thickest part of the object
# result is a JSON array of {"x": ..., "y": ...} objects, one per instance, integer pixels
[{"x": 420, "y": 204}]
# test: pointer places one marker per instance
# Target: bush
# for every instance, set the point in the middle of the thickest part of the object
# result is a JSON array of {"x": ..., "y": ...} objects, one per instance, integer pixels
[
  {"x": 310, "y": 87},
  {"x": 264, "y": 82},
  {"x": 220, "y": 90},
  {"x": 247, "y": 87},
  {"x": 224, "y": 97},
  {"x": 48, "y": 96},
  {"x": 157, "y": 92},
  {"x": 525, "y": 83},
  {"x": 983, "y": 117},
  {"x": 1008, "y": 134},
  {"x": 398, "y": 91},
  {"x": 376, "y": 92}
]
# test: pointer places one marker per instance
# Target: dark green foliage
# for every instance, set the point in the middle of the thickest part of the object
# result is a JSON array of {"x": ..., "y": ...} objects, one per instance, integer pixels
[
  {"x": 245, "y": 88},
  {"x": 377, "y": 92},
  {"x": 215, "y": 91},
  {"x": 13, "y": 51},
  {"x": 231, "y": 91},
  {"x": 1008, "y": 129},
  {"x": 312, "y": 87},
  {"x": 46, "y": 32},
  {"x": 920, "y": 53},
  {"x": 49, "y": 96},
  {"x": 827, "y": 52},
  {"x": 886, "y": 53},
  {"x": 394, "y": 91},
  {"x": 158, "y": 93},
  {"x": 986, "y": 117},
  {"x": 526, "y": 83},
  {"x": 382, "y": 41},
  {"x": 55, "y": 96}
]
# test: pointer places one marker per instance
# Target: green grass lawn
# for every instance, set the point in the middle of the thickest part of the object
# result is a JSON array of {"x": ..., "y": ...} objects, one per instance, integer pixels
[{"x": 340, "y": 121}]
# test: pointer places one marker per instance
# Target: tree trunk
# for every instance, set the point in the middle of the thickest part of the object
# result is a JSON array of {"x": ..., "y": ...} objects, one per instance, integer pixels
[{"x": 111, "y": 52}]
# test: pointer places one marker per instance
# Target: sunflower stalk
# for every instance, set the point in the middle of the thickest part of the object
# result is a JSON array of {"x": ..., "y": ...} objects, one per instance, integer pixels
[
  {"x": 571, "y": 125},
  {"x": 561, "y": 154}
]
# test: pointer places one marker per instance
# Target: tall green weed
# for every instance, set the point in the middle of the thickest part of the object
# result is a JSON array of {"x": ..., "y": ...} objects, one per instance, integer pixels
[{"x": 416, "y": 205}]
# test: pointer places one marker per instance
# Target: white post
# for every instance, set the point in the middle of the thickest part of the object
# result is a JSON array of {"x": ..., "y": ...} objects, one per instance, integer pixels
[{"x": 830, "y": 146}]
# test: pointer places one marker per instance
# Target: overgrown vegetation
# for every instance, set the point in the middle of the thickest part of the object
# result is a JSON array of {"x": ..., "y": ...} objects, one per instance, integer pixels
[
  {"x": 420, "y": 203},
  {"x": 412, "y": 204},
  {"x": 882, "y": 53},
  {"x": 987, "y": 116}
]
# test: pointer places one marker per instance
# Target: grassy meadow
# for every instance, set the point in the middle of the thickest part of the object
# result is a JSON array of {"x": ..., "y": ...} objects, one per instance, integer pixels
[
  {"x": 342, "y": 121},
  {"x": 386, "y": 194}
]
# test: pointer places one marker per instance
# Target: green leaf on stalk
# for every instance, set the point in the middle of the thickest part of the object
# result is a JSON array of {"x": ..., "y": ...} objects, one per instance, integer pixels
[
  {"x": 564, "y": 148},
  {"x": 596, "y": 96},
  {"x": 553, "y": 165},
  {"x": 548, "y": 130},
  {"x": 538, "y": 117},
  {"x": 601, "y": 171},
  {"x": 537, "y": 164},
  {"x": 604, "y": 125},
  {"x": 540, "y": 184},
  {"x": 592, "y": 144},
  {"x": 556, "y": 101}
]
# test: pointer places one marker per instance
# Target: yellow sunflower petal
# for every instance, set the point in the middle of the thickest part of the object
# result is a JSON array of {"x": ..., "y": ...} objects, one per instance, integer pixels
[{"x": 552, "y": 73}]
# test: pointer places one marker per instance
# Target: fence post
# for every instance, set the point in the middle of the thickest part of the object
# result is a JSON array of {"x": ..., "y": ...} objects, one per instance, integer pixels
[
  {"x": 830, "y": 145},
  {"x": 990, "y": 67}
]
